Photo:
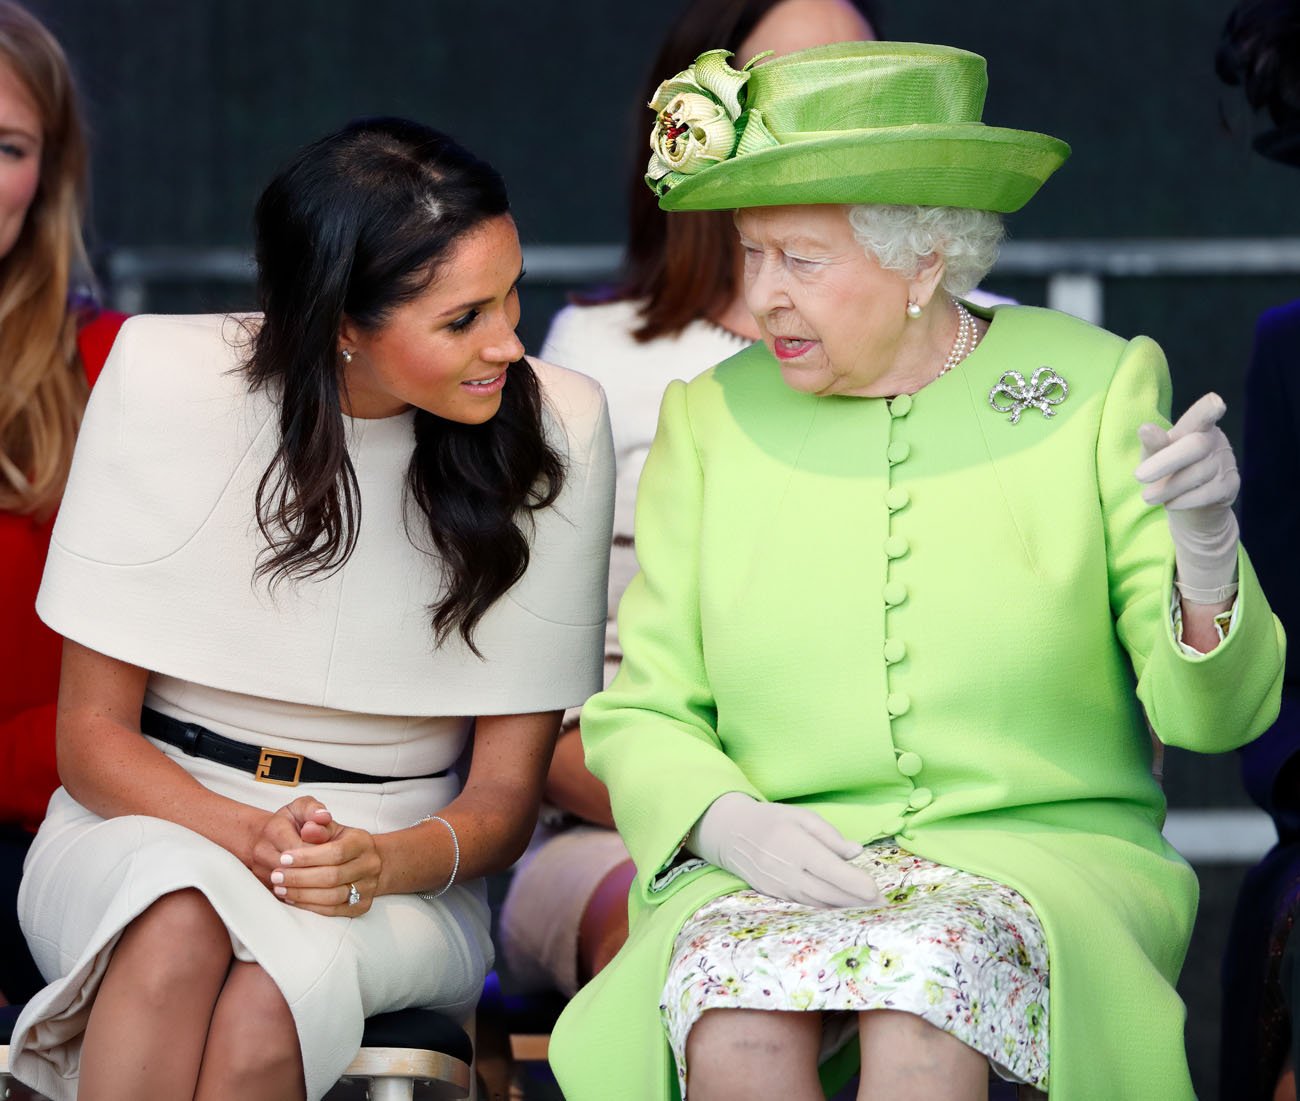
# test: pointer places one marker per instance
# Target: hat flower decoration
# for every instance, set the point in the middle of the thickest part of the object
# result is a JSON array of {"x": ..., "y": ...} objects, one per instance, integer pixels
[{"x": 697, "y": 113}]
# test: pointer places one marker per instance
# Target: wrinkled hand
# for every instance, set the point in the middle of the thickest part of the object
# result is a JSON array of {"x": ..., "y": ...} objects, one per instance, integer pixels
[
  {"x": 317, "y": 876},
  {"x": 783, "y": 851},
  {"x": 1190, "y": 469},
  {"x": 304, "y": 821}
]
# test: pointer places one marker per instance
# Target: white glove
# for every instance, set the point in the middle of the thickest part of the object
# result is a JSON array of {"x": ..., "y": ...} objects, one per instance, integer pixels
[
  {"x": 1192, "y": 472},
  {"x": 783, "y": 851}
]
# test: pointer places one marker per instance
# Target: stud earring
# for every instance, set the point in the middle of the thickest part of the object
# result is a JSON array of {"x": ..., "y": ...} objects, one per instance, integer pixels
[
  {"x": 913, "y": 310},
  {"x": 346, "y": 353}
]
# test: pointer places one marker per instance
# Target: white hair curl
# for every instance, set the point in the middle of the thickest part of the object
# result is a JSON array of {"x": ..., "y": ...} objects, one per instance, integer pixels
[{"x": 901, "y": 237}]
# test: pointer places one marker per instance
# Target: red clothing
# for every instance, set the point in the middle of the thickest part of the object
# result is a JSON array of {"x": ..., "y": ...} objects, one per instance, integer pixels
[{"x": 29, "y": 651}]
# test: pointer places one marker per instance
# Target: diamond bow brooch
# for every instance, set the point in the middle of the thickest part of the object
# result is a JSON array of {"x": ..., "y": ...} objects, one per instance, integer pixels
[{"x": 1012, "y": 394}]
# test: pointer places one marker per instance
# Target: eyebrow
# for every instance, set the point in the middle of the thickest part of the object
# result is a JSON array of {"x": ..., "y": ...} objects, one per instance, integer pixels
[
  {"x": 17, "y": 131},
  {"x": 795, "y": 240},
  {"x": 456, "y": 311}
]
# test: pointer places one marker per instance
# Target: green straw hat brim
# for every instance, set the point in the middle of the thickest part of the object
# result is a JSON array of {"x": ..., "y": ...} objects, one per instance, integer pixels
[{"x": 967, "y": 165}]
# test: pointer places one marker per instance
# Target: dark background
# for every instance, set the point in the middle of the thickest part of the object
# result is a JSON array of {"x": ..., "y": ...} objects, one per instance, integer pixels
[{"x": 193, "y": 106}]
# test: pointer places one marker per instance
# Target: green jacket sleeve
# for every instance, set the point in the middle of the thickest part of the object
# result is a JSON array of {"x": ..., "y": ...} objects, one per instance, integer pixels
[
  {"x": 651, "y": 736},
  {"x": 1210, "y": 702}
]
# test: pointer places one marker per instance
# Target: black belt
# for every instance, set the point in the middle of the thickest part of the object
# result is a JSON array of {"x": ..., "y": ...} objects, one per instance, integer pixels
[{"x": 270, "y": 766}]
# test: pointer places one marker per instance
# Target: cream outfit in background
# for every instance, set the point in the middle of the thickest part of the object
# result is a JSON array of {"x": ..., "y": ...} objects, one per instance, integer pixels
[
  {"x": 566, "y": 861},
  {"x": 152, "y": 562}
]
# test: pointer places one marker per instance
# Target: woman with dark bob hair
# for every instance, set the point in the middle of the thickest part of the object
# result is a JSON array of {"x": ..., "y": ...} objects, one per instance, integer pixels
[{"x": 313, "y": 548}]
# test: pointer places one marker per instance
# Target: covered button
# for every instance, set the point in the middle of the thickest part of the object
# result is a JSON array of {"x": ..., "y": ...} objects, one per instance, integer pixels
[
  {"x": 898, "y": 451},
  {"x": 893, "y": 825},
  {"x": 897, "y": 498},
  {"x": 896, "y": 546},
  {"x": 921, "y": 797},
  {"x": 894, "y": 592},
  {"x": 901, "y": 405},
  {"x": 895, "y": 650},
  {"x": 898, "y": 703},
  {"x": 909, "y": 763}
]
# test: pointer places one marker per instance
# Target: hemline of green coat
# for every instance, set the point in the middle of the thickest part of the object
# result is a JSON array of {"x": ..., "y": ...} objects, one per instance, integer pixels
[{"x": 1023, "y": 588}]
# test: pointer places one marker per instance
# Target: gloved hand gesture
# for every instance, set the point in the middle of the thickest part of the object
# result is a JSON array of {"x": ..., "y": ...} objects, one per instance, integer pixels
[
  {"x": 783, "y": 851},
  {"x": 1190, "y": 469}
]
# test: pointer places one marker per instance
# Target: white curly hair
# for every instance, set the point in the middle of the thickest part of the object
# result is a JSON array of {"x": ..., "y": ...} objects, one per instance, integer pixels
[{"x": 901, "y": 237}]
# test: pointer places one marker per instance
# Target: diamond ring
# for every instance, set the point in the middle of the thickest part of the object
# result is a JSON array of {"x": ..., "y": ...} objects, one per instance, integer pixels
[{"x": 354, "y": 896}]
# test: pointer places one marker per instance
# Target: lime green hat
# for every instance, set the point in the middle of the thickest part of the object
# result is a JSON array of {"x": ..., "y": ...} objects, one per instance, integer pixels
[{"x": 855, "y": 122}]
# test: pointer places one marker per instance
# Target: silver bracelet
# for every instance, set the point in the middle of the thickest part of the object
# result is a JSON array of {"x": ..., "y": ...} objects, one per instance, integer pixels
[{"x": 455, "y": 860}]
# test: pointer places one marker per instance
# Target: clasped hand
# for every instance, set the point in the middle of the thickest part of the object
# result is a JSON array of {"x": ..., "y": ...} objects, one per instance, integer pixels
[
  {"x": 783, "y": 851},
  {"x": 310, "y": 861}
]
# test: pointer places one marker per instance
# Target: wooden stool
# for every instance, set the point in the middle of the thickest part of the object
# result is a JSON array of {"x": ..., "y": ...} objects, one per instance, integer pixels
[{"x": 410, "y": 1046}]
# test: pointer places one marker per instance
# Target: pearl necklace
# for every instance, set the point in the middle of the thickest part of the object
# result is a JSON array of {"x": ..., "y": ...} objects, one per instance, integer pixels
[{"x": 964, "y": 343}]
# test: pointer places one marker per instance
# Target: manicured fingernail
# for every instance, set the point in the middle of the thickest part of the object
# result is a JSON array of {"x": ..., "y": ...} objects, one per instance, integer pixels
[
  {"x": 277, "y": 877},
  {"x": 282, "y": 891},
  {"x": 286, "y": 858}
]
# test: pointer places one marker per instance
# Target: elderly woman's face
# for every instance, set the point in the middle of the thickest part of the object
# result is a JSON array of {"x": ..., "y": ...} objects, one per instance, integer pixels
[{"x": 832, "y": 316}]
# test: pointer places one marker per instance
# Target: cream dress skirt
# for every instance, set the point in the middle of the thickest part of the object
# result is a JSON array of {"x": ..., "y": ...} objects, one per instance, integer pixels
[{"x": 87, "y": 878}]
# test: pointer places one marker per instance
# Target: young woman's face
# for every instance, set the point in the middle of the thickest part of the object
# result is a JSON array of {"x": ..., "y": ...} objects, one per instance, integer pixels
[
  {"x": 445, "y": 351},
  {"x": 21, "y": 138}
]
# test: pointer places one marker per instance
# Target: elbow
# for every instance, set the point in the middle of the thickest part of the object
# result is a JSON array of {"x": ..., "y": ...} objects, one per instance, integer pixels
[
  {"x": 79, "y": 754},
  {"x": 511, "y": 833},
  {"x": 73, "y": 774}
]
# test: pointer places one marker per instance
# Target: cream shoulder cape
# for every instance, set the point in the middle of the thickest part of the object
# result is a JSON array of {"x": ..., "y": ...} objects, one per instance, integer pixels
[{"x": 153, "y": 555}]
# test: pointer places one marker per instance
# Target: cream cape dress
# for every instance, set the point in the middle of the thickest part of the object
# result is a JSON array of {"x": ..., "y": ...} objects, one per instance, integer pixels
[{"x": 152, "y": 563}]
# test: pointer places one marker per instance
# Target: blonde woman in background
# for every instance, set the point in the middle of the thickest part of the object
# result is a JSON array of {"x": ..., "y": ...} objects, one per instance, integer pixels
[{"x": 53, "y": 341}]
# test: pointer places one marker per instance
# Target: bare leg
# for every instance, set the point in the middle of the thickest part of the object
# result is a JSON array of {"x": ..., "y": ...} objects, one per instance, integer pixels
[
  {"x": 604, "y": 922},
  {"x": 150, "y": 1019},
  {"x": 906, "y": 1059},
  {"x": 740, "y": 1054},
  {"x": 252, "y": 1051}
]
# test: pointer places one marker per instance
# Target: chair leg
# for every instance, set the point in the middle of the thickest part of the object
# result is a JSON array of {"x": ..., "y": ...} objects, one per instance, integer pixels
[
  {"x": 392, "y": 1089},
  {"x": 470, "y": 1025}
]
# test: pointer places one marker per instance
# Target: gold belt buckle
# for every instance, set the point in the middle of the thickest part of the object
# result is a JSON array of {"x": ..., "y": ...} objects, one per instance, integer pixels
[{"x": 269, "y": 759}]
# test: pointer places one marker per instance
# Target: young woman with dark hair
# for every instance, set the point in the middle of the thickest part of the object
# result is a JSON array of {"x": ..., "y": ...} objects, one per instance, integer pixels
[{"x": 316, "y": 547}]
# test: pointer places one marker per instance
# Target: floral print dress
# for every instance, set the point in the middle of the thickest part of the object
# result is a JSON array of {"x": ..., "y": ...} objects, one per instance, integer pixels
[{"x": 963, "y": 952}]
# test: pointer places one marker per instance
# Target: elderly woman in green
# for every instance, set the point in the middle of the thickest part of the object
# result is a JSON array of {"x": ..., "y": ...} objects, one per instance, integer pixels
[{"x": 877, "y": 746}]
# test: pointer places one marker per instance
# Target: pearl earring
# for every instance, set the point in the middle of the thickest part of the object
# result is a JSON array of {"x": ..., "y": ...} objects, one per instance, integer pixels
[
  {"x": 346, "y": 353},
  {"x": 913, "y": 310}
]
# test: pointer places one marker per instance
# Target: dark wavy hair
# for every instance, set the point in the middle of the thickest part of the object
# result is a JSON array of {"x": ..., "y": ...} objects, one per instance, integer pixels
[
  {"x": 358, "y": 223},
  {"x": 684, "y": 267},
  {"x": 1259, "y": 49}
]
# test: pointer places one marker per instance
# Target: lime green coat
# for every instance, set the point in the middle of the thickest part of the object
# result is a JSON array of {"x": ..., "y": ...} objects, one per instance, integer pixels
[{"x": 829, "y": 583}]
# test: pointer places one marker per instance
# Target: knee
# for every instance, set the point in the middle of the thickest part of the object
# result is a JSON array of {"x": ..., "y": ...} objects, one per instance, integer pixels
[
  {"x": 742, "y": 1053},
  {"x": 253, "y": 1029},
  {"x": 177, "y": 942},
  {"x": 751, "y": 1035},
  {"x": 603, "y": 929},
  {"x": 892, "y": 1040}
]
